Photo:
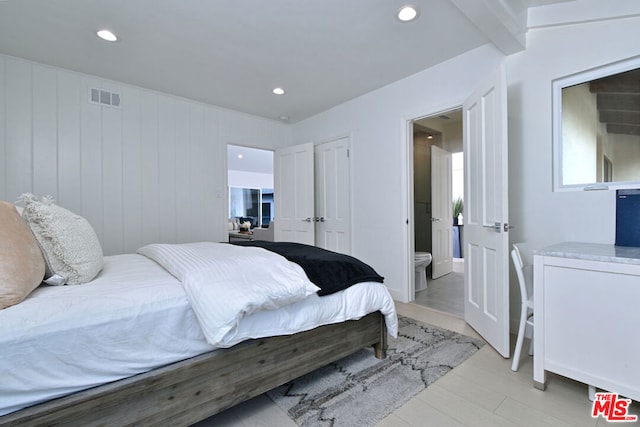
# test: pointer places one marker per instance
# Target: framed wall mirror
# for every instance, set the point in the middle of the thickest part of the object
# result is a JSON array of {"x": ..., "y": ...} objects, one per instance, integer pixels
[{"x": 596, "y": 128}]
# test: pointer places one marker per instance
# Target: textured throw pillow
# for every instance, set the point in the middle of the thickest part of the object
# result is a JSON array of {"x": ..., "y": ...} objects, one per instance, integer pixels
[
  {"x": 70, "y": 246},
  {"x": 21, "y": 262}
]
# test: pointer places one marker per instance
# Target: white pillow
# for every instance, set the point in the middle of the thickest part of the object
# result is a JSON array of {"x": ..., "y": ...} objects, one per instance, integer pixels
[{"x": 69, "y": 244}]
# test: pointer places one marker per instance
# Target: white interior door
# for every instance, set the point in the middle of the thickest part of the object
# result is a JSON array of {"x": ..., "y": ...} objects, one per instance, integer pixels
[
  {"x": 441, "y": 217},
  {"x": 332, "y": 208},
  {"x": 293, "y": 194},
  {"x": 486, "y": 213}
]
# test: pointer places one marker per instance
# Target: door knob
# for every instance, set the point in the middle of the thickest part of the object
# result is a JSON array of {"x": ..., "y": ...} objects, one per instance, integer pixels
[{"x": 497, "y": 227}]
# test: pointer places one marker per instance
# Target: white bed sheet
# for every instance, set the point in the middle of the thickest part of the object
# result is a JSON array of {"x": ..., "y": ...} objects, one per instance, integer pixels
[{"x": 132, "y": 318}]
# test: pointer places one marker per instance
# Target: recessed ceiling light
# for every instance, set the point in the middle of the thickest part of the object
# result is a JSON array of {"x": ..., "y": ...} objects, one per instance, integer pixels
[
  {"x": 107, "y": 35},
  {"x": 240, "y": 156},
  {"x": 284, "y": 118},
  {"x": 278, "y": 91},
  {"x": 407, "y": 13}
]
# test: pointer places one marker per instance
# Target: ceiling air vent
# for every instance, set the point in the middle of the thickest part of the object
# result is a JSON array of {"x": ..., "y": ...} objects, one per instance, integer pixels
[{"x": 104, "y": 97}]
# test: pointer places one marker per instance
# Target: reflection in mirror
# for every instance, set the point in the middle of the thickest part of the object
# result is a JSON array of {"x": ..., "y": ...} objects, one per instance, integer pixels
[
  {"x": 250, "y": 179},
  {"x": 244, "y": 204},
  {"x": 251, "y": 204},
  {"x": 597, "y": 128}
]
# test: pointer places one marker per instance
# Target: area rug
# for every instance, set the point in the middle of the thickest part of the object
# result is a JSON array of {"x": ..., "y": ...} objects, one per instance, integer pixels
[{"x": 360, "y": 390}]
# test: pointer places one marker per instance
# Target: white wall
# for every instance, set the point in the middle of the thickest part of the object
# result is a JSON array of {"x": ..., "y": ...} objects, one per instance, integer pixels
[
  {"x": 453, "y": 142},
  {"x": 250, "y": 179},
  {"x": 457, "y": 179},
  {"x": 153, "y": 171},
  {"x": 377, "y": 125},
  {"x": 422, "y": 190},
  {"x": 624, "y": 151},
  {"x": 579, "y": 135},
  {"x": 540, "y": 215}
]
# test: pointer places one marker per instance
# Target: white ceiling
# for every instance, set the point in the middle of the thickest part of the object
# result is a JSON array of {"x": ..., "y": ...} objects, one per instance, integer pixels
[
  {"x": 233, "y": 53},
  {"x": 252, "y": 160}
]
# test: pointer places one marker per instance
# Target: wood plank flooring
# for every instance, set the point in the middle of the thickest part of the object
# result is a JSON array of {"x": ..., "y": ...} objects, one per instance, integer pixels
[{"x": 445, "y": 293}]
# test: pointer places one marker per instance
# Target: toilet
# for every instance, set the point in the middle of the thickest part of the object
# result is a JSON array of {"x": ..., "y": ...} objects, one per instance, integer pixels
[{"x": 420, "y": 263}]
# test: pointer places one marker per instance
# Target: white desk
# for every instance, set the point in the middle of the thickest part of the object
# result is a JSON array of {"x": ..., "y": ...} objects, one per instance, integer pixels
[{"x": 587, "y": 316}]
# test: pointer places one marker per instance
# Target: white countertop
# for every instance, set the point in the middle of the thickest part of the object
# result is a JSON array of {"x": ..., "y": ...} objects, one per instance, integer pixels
[{"x": 592, "y": 252}]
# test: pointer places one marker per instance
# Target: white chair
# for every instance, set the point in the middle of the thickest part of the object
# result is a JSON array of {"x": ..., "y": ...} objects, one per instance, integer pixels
[{"x": 522, "y": 257}]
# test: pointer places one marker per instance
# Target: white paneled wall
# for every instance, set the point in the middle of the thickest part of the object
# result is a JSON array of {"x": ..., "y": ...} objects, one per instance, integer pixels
[{"x": 152, "y": 171}]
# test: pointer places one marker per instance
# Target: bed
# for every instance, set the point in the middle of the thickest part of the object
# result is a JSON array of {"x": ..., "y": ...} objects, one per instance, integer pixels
[{"x": 131, "y": 346}]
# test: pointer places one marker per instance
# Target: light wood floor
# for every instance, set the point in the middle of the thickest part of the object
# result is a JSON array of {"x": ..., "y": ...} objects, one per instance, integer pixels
[
  {"x": 482, "y": 391},
  {"x": 445, "y": 293}
]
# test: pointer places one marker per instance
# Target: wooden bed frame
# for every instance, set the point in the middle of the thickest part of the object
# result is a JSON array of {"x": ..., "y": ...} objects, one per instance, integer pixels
[{"x": 191, "y": 390}]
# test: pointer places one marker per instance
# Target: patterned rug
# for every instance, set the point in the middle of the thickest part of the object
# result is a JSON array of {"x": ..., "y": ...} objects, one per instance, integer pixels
[{"x": 361, "y": 390}]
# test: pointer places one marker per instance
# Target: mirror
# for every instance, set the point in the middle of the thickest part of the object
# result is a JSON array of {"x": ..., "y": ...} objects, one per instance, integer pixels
[
  {"x": 251, "y": 204},
  {"x": 597, "y": 128},
  {"x": 250, "y": 180},
  {"x": 244, "y": 204}
]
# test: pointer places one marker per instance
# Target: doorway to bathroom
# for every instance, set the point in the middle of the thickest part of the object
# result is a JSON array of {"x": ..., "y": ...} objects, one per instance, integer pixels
[{"x": 438, "y": 183}]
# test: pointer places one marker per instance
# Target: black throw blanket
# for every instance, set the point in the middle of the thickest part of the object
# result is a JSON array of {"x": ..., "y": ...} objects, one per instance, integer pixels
[{"x": 330, "y": 271}]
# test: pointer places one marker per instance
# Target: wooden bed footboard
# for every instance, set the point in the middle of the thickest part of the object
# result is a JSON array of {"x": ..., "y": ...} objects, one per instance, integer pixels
[{"x": 191, "y": 390}]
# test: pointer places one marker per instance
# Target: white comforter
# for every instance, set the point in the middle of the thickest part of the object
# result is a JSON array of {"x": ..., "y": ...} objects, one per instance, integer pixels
[
  {"x": 226, "y": 283},
  {"x": 134, "y": 317}
]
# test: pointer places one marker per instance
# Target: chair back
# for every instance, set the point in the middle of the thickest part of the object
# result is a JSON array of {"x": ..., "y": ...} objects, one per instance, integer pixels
[{"x": 522, "y": 257}]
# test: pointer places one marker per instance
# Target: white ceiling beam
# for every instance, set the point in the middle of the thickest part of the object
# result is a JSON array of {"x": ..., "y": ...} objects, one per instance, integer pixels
[
  {"x": 581, "y": 11},
  {"x": 502, "y": 22}
]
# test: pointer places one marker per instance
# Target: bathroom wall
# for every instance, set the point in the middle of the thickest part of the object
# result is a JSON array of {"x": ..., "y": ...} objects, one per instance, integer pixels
[
  {"x": 422, "y": 188},
  {"x": 447, "y": 136}
]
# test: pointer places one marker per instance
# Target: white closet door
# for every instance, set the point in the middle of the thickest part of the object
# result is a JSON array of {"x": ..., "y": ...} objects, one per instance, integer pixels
[
  {"x": 294, "y": 194},
  {"x": 332, "y": 200}
]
